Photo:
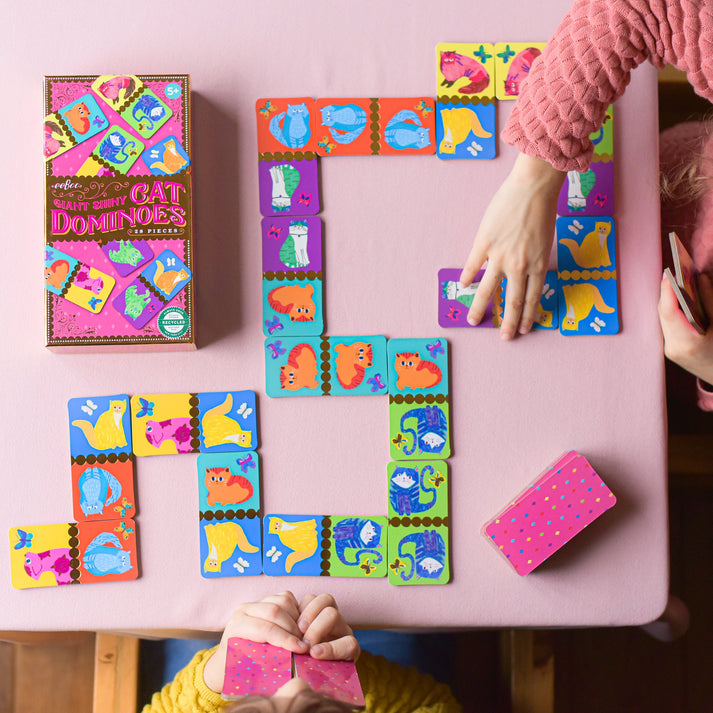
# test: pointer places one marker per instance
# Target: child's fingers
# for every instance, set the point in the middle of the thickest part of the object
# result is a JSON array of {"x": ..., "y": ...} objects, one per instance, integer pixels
[
  {"x": 345, "y": 648},
  {"x": 287, "y": 601},
  {"x": 310, "y": 607},
  {"x": 268, "y": 622}
]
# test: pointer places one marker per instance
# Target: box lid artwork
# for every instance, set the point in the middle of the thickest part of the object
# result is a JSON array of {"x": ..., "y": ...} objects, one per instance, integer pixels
[{"x": 118, "y": 213}]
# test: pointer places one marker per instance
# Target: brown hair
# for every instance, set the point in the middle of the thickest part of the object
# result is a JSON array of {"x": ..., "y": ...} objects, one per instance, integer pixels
[{"x": 689, "y": 179}]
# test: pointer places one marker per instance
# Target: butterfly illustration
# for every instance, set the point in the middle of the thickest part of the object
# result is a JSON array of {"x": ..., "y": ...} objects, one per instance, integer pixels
[
  {"x": 437, "y": 479},
  {"x": 397, "y": 565},
  {"x": 547, "y": 291},
  {"x": 399, "y": 440},
  {"x": 98, "y": 121},
  {"x": 24, "y": 539},
  {"x": 600, "y": 200},
  {"x": 327, "y": 145},
  {"x": 482, "y": 55},
  {"x": 376, "y": 383},
  {"x": 367, "y": 566},
  {"x": 123, "y": 530},
  {"x": 435, "y": 349},
  {"x": 89, "y": 407},
  {"x": 453, "y": 313},
  {"x": 94, "y": 301},
  {"x": 246, "y": 463},
  {"x": 597, "y": 324},
  {"x": 241, "y": 565},
  {"x": 305, "y": 199},
  {"x": 274, "y": 554},
  {"x": 274, "y": 232},
  {"x": 273, "y": 325},
  {"x": 146, "y": 409},
  {"x": 575, "y": 226},
  {"x": 423, "y": 107},
  {"x": 474, "y": 149},
  {"x": 121, "y": 509},
  {"x": 267, "y": 109},
  {"x": 244, "y": 410},
  {"x": 506, "y": 54},
  {"x": 276, "y": 349},
  {"x": 49, "y": 255}
]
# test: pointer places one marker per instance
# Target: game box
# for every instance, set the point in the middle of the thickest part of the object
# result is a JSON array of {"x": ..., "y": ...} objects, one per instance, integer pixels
[{"x": 118, "y": 213}]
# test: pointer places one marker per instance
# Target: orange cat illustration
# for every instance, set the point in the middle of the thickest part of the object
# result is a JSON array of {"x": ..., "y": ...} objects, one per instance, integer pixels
[
  {"x": 78, "y": 117},
  {"x": 351, "y": 362},
  {"x": 166, "y": 280},
  {"x": 416, "y": 373},
  {"x": 300, "y": 370},
  {"x": 224, "y": 488},
  {"x": 56, "y": 273},
  {"x": 171, "y": 161},
  {"x": 295, "y": 300}
]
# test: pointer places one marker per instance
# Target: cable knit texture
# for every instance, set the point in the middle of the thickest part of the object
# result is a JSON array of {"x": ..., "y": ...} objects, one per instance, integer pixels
[
  {"x": 387, "y": 686},
  {"x": 587, "y": 65}
]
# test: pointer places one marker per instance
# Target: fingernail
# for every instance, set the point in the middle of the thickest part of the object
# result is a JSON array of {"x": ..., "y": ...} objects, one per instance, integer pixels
[
  {"x": 471, "y": 321},
  {"x": 525, "y": 329},
  {"x": 302, "y": 625},
  {"x": 505, "y": 336},
  {"x": 304, "y": 644},
  {"x": 318, "y": 650}
]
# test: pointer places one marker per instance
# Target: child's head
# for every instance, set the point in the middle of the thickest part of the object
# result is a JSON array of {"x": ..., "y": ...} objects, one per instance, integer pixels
[{"x": 294, "y": 697}]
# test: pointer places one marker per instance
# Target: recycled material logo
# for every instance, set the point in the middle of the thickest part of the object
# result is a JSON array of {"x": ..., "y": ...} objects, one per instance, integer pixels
[{"x": 173, "y": 322}]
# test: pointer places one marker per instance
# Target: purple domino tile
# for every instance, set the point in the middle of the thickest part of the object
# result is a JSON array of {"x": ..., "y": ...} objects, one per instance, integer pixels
[
  {"x": 292, "y": 244},
  {"x": 137, "y": 304},
  {"x": 588, "y": 193},
  {"x": 127, "y": 255},
  {"x": 289, "y": 187}
]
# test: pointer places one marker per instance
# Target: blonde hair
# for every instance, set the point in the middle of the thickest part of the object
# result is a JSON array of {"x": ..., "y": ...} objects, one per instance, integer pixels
[{"x": 688, "y": 180}]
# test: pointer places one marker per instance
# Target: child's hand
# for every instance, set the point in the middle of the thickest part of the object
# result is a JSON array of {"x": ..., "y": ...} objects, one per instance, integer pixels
[
  {"x": 682, "y": 343},
  {"x": 515, "y": 235},
  {"x": 325, "y": 629},
  {"x": 272, "y": 620}
]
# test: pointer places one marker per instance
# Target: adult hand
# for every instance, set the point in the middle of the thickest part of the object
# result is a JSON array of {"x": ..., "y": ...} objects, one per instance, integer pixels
[
  {"x": 272, "y": 620},
  {"x": 682, "y": 343},
  {"x": 515, "y": 235}
]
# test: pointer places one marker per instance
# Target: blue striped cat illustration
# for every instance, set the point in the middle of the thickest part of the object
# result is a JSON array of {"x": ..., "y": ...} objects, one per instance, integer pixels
[
  {"x": 147, "y": 111},
  {"x": 357, "y": 533},
  {"x": 294, "y": 131},
  {"x": 116, "y": 148},
  {"x": 430, "y": 555},
  {"x": 405, "y": 488},
  {"x": 97, "y": 489},
  {"x": 404, "y": 131},
  {"x": 104, "y": 555},
  {"x": 344, "y": 121},
  {"x": 431, "y": 433}
]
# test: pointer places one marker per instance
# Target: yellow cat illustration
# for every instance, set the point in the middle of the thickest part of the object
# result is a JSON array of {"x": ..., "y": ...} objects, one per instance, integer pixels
[
  {"x": 166, "y": 280},
  {"x": 580, "y": 299},
  {"x": 457, "y": 124},
  {"x": 108, "y": 432},
  {"x": 301, "y": 537},
  {"x": 593, "y": 251},
  {"x": 219, "y": 428},
  {"x": 223, "y": 538},
  {"x": 171, "y": 161},
  {"x": 544, "y": 317}
]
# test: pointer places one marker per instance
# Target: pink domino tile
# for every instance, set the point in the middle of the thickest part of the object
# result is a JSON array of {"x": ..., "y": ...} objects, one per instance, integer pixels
[
  {"x": 253, "y": 669},
  {"x": 567, "y": 497},
  {"x": 338, "y": 679}
]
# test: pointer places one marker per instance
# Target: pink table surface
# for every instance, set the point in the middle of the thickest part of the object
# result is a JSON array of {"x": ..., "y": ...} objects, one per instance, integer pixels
[{"x": 515, "y": 407}]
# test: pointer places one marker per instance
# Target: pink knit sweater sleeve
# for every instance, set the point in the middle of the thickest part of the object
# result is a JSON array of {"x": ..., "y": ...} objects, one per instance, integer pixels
[{"x": 587, "y": 65}]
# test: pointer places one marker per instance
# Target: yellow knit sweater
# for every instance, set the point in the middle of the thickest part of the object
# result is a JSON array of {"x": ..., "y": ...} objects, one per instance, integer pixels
[{"x": 387, "y": 686}]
